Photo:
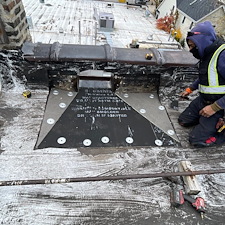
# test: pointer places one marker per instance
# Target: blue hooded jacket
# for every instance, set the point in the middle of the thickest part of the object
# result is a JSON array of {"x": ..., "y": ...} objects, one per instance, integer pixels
[{"x": 202, "y": 41}]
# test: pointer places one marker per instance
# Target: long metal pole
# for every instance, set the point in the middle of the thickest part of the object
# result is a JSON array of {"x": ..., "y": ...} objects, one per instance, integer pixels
[
  {"x": 95, "y": 32},
  {"x": 104, "y": 178},
  {"x": 79, "y": 26}
]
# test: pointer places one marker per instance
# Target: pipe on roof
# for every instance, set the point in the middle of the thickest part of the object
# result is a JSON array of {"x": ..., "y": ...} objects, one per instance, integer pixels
[{"x": 161, "y": 43}]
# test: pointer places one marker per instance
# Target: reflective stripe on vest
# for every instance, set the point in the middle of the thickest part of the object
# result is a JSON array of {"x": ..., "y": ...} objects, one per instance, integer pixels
[{"x": 213, "y": 87}]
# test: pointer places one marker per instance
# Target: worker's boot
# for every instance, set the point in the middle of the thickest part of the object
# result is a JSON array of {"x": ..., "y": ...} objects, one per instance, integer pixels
[
  {"x": 187, "y": 124},
  {"x": 208, "y": 143}
]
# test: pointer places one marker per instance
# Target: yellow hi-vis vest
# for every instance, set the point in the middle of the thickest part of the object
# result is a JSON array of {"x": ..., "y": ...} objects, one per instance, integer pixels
[{"x": 213, "y": 80}]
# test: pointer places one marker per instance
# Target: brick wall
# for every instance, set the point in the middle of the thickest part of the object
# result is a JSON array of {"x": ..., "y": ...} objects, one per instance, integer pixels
[{"x": 14, "y": 25}]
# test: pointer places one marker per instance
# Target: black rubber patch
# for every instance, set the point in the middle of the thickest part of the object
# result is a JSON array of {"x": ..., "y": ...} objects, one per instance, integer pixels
[{"x": 98, "y": 118}]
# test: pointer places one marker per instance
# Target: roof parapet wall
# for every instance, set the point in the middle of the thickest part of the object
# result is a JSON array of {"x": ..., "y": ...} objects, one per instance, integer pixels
[{"x": 57, "y": 52}]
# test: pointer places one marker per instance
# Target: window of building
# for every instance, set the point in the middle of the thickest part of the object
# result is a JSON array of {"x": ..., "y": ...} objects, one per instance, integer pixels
[
  {"x": 157, "y": 14},
  {"x": 183, "y": 19},
  {"x": 172, "y": 9},
  {"x": 191, "y": 25}
]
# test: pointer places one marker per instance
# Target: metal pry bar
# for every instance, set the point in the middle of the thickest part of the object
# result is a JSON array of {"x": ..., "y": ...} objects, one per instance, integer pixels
[{"x": 104, "y": 178}]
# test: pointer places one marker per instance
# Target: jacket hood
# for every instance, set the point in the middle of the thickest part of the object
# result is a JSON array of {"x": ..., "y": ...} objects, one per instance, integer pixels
[{"x": 206, "y": 37}]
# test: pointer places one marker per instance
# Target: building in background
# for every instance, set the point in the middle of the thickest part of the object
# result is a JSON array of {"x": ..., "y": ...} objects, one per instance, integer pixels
[
  {"x": 166, "y": 8},
  {"x": 190, "y": 12}
]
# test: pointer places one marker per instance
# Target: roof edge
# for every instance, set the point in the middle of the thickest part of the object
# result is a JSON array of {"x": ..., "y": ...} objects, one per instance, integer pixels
[
  {"x": 187, "y": 16},
  {"x": 222, "y": 6}
]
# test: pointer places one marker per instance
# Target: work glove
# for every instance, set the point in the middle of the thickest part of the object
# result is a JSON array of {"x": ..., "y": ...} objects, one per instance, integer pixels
[{"x": 186, "y": 92}]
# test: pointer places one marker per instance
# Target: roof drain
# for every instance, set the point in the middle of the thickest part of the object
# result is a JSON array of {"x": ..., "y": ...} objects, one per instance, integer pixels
[{"x": 95, "y": 79}]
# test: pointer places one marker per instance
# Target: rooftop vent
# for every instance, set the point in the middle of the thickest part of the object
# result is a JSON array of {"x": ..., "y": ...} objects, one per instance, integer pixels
[
  {"x": 106, "y": 20},
  {"x": 110, "y": 5}
]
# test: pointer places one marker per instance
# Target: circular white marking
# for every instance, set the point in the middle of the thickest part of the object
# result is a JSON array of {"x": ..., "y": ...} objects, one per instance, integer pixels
[
  {"x": 161, "y": 107},
  {"x": 126, "y": 95},
  {"x": 142, "y": 111},
  {"x": 105, "y": 140},
  {"x": 151, "y": 96},
  {"x": 170, "y": 132},
  {"x": 61, "y": 140},
  {"x": 129, "y": 140},
  {"x": 55, "y": 92},
  {"x": 70, "y": 94},
  {"x": 50, "y": 121},
  {"x": 158, "y": 142},
  {"x": 62, "y": 105},
  {"x": 87, "y": 142}
]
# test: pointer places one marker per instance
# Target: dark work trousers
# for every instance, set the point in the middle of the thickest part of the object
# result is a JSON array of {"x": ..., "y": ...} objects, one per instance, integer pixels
[{"x": 204, "y": 127}]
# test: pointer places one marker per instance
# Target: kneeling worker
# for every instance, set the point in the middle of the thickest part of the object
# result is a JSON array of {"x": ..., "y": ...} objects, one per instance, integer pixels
[{"x": 207, "y": 109}]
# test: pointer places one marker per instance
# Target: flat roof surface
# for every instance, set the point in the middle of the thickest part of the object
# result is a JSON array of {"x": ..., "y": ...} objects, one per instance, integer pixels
[
  {"x": 122, "y": 202},
  {"x": 72, "y": 22}
]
